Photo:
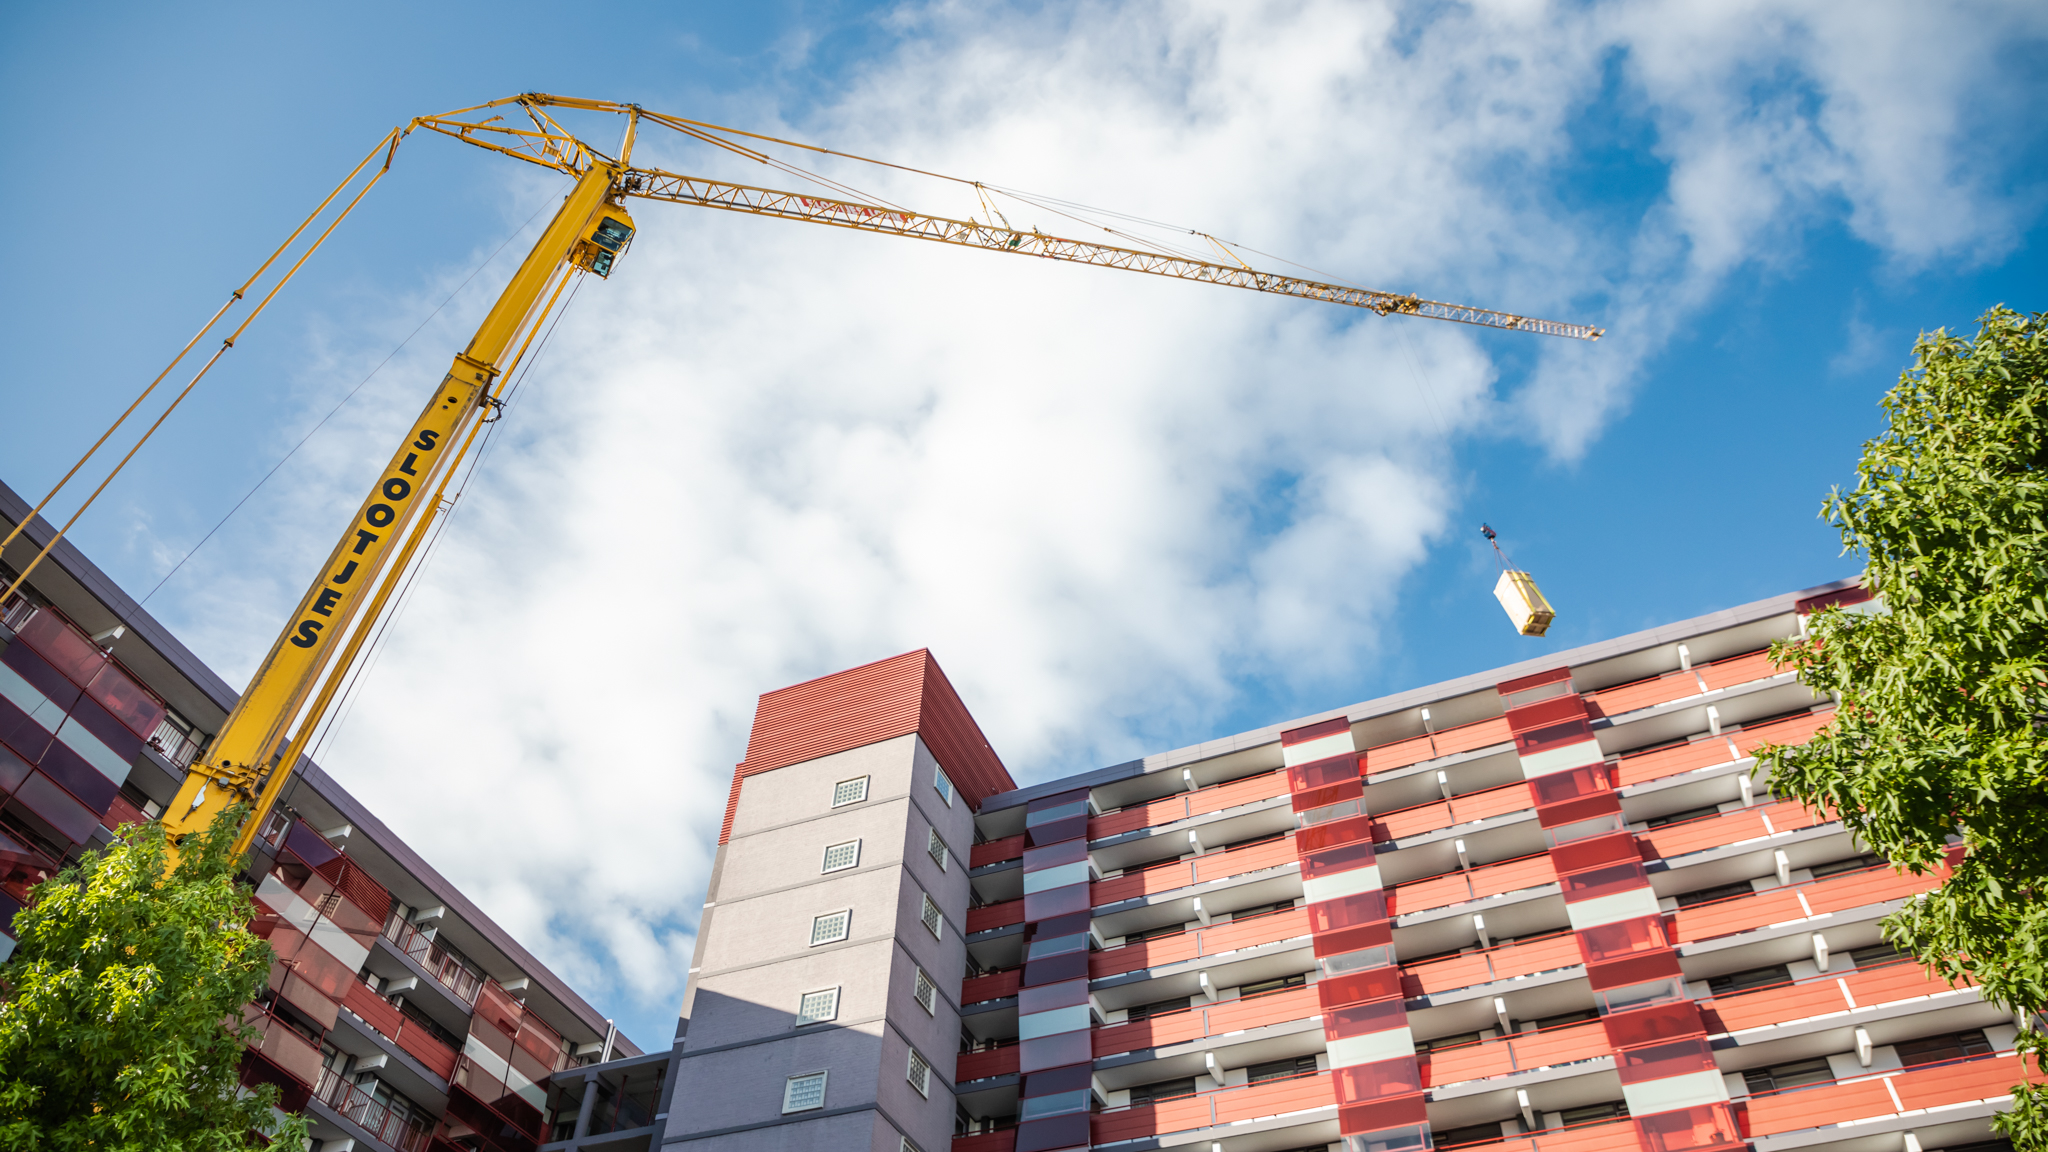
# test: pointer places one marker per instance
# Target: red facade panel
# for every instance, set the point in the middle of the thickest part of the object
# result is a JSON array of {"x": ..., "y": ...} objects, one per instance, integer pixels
[{"x": 866, "y": 705}]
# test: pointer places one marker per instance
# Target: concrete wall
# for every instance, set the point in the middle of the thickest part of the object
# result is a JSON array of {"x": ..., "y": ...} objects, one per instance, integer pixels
[{"x": 755, "y": 961}]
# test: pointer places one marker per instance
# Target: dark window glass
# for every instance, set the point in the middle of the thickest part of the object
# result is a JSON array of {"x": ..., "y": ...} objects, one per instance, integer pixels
[
  {"x": 1563, "y": 1018},
  {"x": 1592, "y": 1112},
  {"x": 1246, "y": 843},
  {"x": 1158, "y": 1007},
  {"x": 1719, "y": 892},
  {"x": 1281, "y": 1069},
  {"x": 1688, "y": 814},
  {"x": 1470, "y": 1134},
  {"x": 1746, "y": 980},
  {"x": 1265, "y": 986},
  {"x": 1852, "y": 864},
  {"x": 1870, "y": 956},
  {"x": 1934, "y": 1049},
  {"x": 1144, "y": 934},
  {"x": 1164, "y": 1090},
  {"x": 1779, "y": 1077},
  {"x": 1261, "y": 910},
  {"x": 1426, "y": 1046}
]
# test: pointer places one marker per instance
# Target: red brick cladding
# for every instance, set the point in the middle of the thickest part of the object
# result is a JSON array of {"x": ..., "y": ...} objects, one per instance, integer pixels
[{"x": 865, "y": 705}]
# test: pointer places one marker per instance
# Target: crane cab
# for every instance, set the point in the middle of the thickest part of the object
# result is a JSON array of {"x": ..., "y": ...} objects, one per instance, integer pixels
[{"x": 608, "y": 234}]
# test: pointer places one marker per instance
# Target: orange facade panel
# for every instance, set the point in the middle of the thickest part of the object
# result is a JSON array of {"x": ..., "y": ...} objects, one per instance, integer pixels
[
  {"x": 1956, "y": 1082},
  {"x": 1227, "y": 1106},
  {"x": 986, "y": 1063},
  {"x": 1449, "y": 742},
  {"x": 1521, "y": 1053},
  {"x": 1212, "y": 941},
  {"x": 1822, "y": 996},
  {"x": 1783, "y": 905},
  {"x": 1731, "y": 827},
  {"x": 995, "y": 915},
  {"x": 996, "y": 851},
  {"x": 1458, "y": 887}
]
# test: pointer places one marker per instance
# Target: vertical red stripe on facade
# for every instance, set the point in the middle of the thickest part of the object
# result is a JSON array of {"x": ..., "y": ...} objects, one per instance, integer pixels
[{"x": 866, "y": 705}]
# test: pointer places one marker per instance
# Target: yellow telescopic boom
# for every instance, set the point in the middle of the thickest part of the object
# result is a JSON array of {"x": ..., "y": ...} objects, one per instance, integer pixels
[{"x": 252, "y": 757}]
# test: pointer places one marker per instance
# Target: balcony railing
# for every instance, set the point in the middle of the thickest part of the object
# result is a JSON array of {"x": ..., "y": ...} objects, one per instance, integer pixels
[
  {"x": 1207, "y": 1109},
  {"x": 1458, "y": 887},
  {"x": 403, "y": 1133},
  {"x": 1823, "y": 996},
  {"x": 1209, "y": 1019},
  {"x": 1216, "y": 939},
  {"x": 178, "y": 746},
  {"x": 442, "y": 965},
  {"x": 1523, "y": 1052},
  {"x": 1732, "y": 827},
  {"x": 1799, "y": 902},
  {"x": 1524, "y": 957},
  {"x": 1449, "y": 742},
  {"x": 1868, "y": 1097}
]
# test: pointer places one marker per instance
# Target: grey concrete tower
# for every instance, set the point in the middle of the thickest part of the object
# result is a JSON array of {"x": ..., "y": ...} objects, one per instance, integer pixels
[{"x": 823, "y": 1001}]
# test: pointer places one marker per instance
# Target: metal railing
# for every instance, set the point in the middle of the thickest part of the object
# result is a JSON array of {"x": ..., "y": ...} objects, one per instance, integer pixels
[
  {"x": 402, "y": 1132},
  {"x": 439, "y": 962}
]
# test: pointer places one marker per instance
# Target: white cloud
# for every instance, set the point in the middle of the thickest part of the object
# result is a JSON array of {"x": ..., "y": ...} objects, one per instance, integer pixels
[{"x": 763, "y": 452}]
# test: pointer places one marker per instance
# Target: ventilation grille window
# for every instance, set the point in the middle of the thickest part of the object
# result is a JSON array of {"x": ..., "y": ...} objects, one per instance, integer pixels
[
  {"x": 803, "y": 1093},
  {"x": 930, "y": 916},
  {"x": 817, "y": 1006},
  {"x": 944, "y": 784},
  {"x": 937, "y": 848},
  {"x": 927, "y": 994},
  {"x": 840, "y": 856},
  {"x": 832, "y": 926},
  {"x": 850, "y": 791},
  {"x": 920, "y": 1074}
]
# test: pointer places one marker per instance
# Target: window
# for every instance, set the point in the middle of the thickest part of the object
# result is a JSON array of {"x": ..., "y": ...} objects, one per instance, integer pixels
[
  {"x": 1424, "y": 1047},
  {"x": 1279, "y": 984},
  {"x": 1164, "y": 1090},
  {"x": 1144, "y": 934},
  {"x": 831, "y": 928},
  {"x": 1261, "y": 910},
  {"x": 1852, "y": 864},
  {"x": 1281, "y": 1070},
  {"x": 943, "y": 783},
  {"x": 1934, "y": 1049},
  {"x": 1470, "y": 1134},
  {"x": 1875, "y": 954},
  {"x": 1746, "y": 980},
  {"x": 1591, "y": 1113},
  {"x": 1682, "y": 817},
  {"x": 936, "y": 847},
  {"x": 816, "y": 1006},
  {"x": 1721, "y": 892},
  {"x": 840, "y": 856},
  {"x": 1794, "y": 1075},
  {"x": 1156, "y": 1008},
  {"x": 919, "y": 1074},
  {"x": 930, "y": 916},
  {"x": 926, "y": 994},
  {"x": 803, "y": 1093},
  {"x": 1564, "y": 1018},
  {"x": 850, "y": 791}
]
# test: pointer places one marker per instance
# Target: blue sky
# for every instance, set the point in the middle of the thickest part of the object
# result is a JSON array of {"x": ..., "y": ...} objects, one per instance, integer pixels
[{"x": 1127, "y": 515}]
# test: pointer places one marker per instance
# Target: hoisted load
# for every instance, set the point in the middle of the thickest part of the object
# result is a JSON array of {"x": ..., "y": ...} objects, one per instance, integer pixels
[{"x": 1518, "y": 594}]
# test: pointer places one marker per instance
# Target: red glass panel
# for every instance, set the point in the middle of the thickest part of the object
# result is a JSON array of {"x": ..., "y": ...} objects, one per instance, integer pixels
[
  {"x": 1577, "y": 809},
  {"x": 1315, "y": 731},
  {"x": 1382, "y": 1078},
  {"x": 1334, "y": 860},
  {"x": 1379, "y": 932},
  {"x": 1604, "y": 881},
  {"x": 1661, "y": 1022},
  {"x": 1359, "y": 1019},
  {"x": 1065, "y": 994},
  {"x": 1636, "y": 969},
  {"x": 1056, "y": 901},
  {"x": 1622, "y": 938},
  {"x": 1042, "y": 1052},
  {"x": 131, "y": 703},
  {"x": 1554, "y": 736},
  {"x": 1581, "y": 855},
  {"x": 1323, "y": 773},
  {"x": 1388, "y": 1113},
  {"x": 1053, "y": 855},
  {"x": 1347, "y": 911},
  {"x": 1671, "y": 1058},
  {"x": 1560, "y": 786},
  {"x": 1318, "y": 837},
  {"x": 1350, "y": 987},
  {"x": 67, "y": 650},
  {"x": 1559, "y": 709},
  {"x": 1702, "y": 1126},
  {"x": 1323, "y": 797}
]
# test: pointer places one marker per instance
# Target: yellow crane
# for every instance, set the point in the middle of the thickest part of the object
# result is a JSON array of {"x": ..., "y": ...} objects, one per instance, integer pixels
[{"x": 249, "y": 760}]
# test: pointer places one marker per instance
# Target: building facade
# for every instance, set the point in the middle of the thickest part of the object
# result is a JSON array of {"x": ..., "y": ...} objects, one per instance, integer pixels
[
  {"x": 1545, "y": 908},
  {"x": 398, "y": 1018}
]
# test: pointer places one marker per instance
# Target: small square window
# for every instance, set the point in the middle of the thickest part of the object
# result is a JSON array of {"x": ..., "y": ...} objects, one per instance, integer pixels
[
  {"x": 803, "y": 1093},
  {"x": 832, "y": 927},
  {"x": 818, "y": 1006},
  {"x": 930, "y": 916},
  {"x": 936, "y": 847},
  {"x": 943, "y": 783},
  {"x": 839, "y": 856},
  {"x": 850, "y": 791},
  {"x": 919, "y": 1075},
  {"x": 927, "y": 994}
]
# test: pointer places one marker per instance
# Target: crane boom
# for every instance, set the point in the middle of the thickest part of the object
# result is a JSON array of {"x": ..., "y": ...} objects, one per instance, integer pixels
[
  {"x": 253, "y": 754},
  {"x": 655, "y": 184}
]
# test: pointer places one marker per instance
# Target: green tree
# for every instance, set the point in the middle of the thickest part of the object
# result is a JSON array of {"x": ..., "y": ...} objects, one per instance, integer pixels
[
  {"x": 1942, "y": 733},
  {"x": 120, "y": 1013}
]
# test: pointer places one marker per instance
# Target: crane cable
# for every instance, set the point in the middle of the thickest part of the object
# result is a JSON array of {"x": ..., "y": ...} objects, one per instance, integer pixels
[{"x": 389, "y": 144}]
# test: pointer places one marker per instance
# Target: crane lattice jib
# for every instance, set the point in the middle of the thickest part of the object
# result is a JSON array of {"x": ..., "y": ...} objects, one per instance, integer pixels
[
  {"x": 654, "y": 184},
  {"x": 549, "y": 145}
]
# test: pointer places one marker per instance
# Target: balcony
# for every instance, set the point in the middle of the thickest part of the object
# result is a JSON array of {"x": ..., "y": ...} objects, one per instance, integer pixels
[
  {"x": 1524, "y": 957},
  {"x": 1211, "y": 1019},
  {"x": 1449, "y": 742},
  {"x": 442, "y": 965},
  {"x": 1798, "y": 902},
  {"x": 1987, "y": 1078},
  {"x": 1523, "y": 1052},
  {"x": 1466, "y": 809},
  {"x": 1822, "y": 996},
  {"x": 411, "y": 1037},
  {"x": 1171, "y": 874},
  {"x": 1733, "y": 745},
  {"x": 1599, "y": 1136},
  {"x": 988, "y": 1062},
  {"x": 1458, "y": 887},
  {"x": 402, "y": 1133},
  {"x": 1208, "y": 1109},
  {"x": 1732, "y": 827},
  {"x": 1623, "y": 698},
  {"x": 1201, "y": 802},
  {"x": 1211, "y": 941}
]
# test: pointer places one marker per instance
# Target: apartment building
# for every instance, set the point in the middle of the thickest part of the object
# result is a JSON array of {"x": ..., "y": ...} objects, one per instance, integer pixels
[
  {"x": 1543, "y": 908},
  {"x": 399, "y": 1017}
]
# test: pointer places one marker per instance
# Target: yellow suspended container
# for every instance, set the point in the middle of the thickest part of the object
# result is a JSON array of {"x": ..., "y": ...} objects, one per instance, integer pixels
[{"x": 1517, "y": 592}]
